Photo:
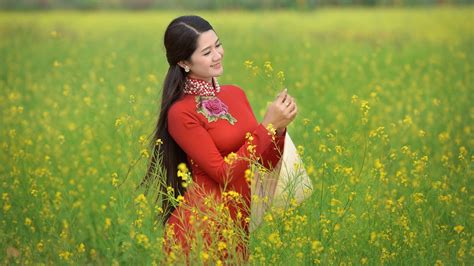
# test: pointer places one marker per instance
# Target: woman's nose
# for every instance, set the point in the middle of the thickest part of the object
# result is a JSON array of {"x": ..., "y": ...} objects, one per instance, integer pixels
[{"x": 217, "y": 56}]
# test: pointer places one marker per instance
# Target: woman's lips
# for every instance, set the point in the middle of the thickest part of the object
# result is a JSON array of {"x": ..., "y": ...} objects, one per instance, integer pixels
[{"x": 218, "y": 65}]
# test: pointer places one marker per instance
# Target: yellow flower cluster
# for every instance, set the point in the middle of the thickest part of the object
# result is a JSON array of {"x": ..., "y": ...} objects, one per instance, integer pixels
[{"x": 185, "y": 174}]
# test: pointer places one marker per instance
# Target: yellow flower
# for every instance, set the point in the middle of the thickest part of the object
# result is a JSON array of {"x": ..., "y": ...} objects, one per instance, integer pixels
[
  {"x": 118, "y": 122},
  {"x": 61, "y": 139},
  {"x": 300, "y": 150},
  {"x": 407, "y": 120},
  {"x": 40, "y": 246},
  {"x": 421, "y": 133},
  {"x": 274, "y": 239},
  {"x": 378, "y": 164},
  {"x": 281, "y": 76},
  {"x": 462, "y": 153},
  {"x": 182, "y": 167},
  {"x": 268, "y": 68},
  {"x": 120, "y": 88},
  {"x": 144, "y": 153},
  {"x": 180, "y": 199},
  {"x": 419, "y": 198},
  {"x": 316, "y": 247},
  {"x": 131, "y": 99},
  {"x": 142, "y": 139},
  {"x": 268, "y": 217},
  {"x": 323, "y": 148},
  {"x": 248, "y": 175},
  {"x": 251, "y": 149},
  {"x": 65, "y": 255},
  {"x": 221, "y": 246},
  {"x": 249, "y": 136},
  {"x": 141, "y": 199},
  {"x": 81, "y": 248},
  {"x": 338, "y": 149},
  {"x": 335, "y": 202},
  {"x": 248, "y": 63},
  {"x": 271, "y": 129},
  {"x": 354, "y": 98},
  {"x": 364, "y": 107},
  {"x": 143, "y": 240},
  {"x": 373, "y": 237},
  {"x": 115, "y": 179},
  {"x": 443, "y": 137},
  {"x": 169, "y": 190},
  {"x": 158, "y": 142},
  {"x": 108, "y": 223},
  {"x": 230, "y": 158},
  {"x": 458, "y": 228},
  {"x": 185, "y": 175},
  {"x": 204, "y": 256}
]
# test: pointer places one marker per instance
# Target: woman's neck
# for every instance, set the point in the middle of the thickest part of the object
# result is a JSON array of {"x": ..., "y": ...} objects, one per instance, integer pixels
[{"x": 205, "y": 79}]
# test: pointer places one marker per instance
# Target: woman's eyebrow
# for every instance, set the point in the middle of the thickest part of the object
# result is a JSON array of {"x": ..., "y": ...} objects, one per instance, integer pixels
[{"x": 209, "y": 47}]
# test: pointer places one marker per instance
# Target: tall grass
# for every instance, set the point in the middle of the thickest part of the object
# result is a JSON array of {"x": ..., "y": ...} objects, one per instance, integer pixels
[{"x": 385, "y": 128}]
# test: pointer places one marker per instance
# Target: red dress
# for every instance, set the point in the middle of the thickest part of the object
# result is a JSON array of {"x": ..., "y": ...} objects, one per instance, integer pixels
[{"x": 207, "y": 141}]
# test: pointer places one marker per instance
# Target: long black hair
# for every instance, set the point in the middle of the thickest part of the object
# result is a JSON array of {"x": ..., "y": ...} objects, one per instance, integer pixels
[{"x": 180, "y": 42}]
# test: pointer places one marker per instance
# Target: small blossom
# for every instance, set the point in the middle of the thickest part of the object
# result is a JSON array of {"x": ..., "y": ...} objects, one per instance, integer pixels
[
  {"x": 108, "y": 223},
  {"x": 458, "y": 228},
  {"x": 248, "y": 64},
  {"x": 81, "y": 248},
  {"x": 65, "y": 255}
]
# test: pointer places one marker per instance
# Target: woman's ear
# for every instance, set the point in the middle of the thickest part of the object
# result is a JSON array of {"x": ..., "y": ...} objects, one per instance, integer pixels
[{"x": 183, "y": 64}]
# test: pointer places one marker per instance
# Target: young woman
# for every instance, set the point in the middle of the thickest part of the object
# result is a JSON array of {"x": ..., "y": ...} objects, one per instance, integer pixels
[{"x": 212, "y": 129}]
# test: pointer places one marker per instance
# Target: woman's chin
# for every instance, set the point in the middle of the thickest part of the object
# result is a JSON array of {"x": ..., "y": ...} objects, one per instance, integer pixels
[{"x": 218, "y": 73}]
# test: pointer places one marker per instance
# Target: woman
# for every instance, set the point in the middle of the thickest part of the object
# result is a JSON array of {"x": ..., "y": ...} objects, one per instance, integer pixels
[{"x": 212, "y": 129}]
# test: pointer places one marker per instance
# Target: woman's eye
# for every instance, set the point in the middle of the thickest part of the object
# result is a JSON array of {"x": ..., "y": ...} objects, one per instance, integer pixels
[
  {"x": 208, "y": 53},
  {"x": 219, "y": 44}
]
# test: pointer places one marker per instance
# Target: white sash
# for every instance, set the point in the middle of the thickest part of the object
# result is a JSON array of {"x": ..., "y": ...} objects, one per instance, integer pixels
[{"x": 288, "y": 180}]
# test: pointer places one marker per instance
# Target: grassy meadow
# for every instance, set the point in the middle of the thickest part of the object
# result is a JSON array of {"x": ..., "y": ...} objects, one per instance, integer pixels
[{"x": 385, "y": 128}]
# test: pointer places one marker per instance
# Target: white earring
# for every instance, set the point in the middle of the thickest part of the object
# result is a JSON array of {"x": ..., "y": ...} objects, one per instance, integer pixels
[{"x": 186, "y": 69}]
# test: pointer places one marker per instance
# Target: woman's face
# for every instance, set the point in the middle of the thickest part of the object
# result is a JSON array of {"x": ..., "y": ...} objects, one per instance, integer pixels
[{"x": 206, "y": 61}]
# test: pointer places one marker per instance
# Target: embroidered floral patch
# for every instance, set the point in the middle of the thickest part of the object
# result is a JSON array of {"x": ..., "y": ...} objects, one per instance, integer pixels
[{"x": 213, "y": 108}]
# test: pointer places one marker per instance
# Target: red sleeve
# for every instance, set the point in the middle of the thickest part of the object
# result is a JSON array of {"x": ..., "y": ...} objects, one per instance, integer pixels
[
  {"x": 273, "y": 153},
  {"x": 196, "y": 142}
]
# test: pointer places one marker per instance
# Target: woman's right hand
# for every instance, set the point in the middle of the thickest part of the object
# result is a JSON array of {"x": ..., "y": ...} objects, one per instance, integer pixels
[{"x": 281, "y": 112}]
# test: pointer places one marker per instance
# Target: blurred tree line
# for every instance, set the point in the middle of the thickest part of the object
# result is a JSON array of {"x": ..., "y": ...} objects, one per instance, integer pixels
[{"x": 212, "y": 4}]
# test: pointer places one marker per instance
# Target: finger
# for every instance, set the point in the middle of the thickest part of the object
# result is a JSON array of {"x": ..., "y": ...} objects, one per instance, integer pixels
[
  {"x": 282, "y": 95},
  {"x": 294, "y": 112},
  {"x": 291, "y": 107},
  {"x": 278, "y": 95},
  {"x": 289, "y": 100}
]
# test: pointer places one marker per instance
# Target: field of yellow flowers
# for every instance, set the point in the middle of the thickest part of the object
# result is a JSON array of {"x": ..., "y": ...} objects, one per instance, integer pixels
[{"x": 385, "y": 128}]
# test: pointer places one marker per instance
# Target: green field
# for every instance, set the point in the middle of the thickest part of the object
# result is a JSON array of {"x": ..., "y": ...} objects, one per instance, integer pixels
[{"x": 385, "y": 127}]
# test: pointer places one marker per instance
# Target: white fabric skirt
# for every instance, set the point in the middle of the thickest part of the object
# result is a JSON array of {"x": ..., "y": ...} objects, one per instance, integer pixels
[{"x": 287, "y": 181}]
